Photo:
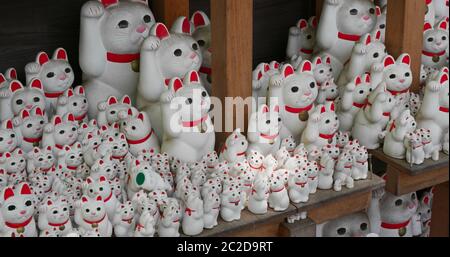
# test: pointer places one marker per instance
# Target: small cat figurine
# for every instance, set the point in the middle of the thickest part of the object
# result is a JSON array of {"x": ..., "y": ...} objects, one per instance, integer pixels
[
  {"x": 231, "y": 205},
  {"x": 62, "y": 131},
  {"x": 328, "y": 92},
  {"x": 74, "y": 101},
  {"x": 193, "y": 223},
  {"x": 41, "y": 161},
  {"x": 394, "y": 136},
  {"x": 14, "y": 163},
  {"x": 17, "y": 209},
  {"x": 264, "y": 130},
  {"x": 261, "y": 79},
  {"x": 9, "y": 140},
  {"x": 56, "y": 75},
  {"x": 165, "y": 55},
  {"x": 278, "y": 197},
  {"x": 54, "y": 216},
  {"x": 170, "y": 219},
  {"x": 343, "y": 171},
  {"x": 91, "y": 215},
  {"x": 124, "y": 220},
  {"x": 360, "y": 167},
  {"x": 396, "y": 74},
  {"x": 298, "y": 186},
  {"x": 111, "y": 36},
  {"x": 415, "y": 153},
  {"x": 111, "y": 110},
  {"x": 211, "y": 209},
  {"x": 302, "y": 39},
  {"x": 235, "y": 148},
  {"x": 101, "y": 187},
  {"x": 30, "y": 128},
  {"x": 257, "y": 200},
  {"x": 353, "y": 225},
  {"x": 70, "y": 160},
  {"x": 435, "y": 43}
]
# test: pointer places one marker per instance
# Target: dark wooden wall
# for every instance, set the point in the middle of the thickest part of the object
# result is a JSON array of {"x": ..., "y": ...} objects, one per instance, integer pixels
[{"x": 28, "y": 26}]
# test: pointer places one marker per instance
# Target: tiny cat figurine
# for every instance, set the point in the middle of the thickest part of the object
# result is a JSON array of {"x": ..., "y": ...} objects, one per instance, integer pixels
[
  {"x": 231, "y": 204},
  {"x": 255, "y": 162},
  {"x": 373, "y": 118},
  {"x": 360, "y": 167},
  {"x": 16, "y": 98},
  {"x": 381, "y": 23},
  {"x": 5, "y": 94},
  {"x": 353, "y": 225},
  {"x": 139, "y": 133},
  {"x": 289, "y": 144},
  {"x": 41, "y": 161},
  {"x": 435, "y": 43},
  {"x": 353, "y": 98},
  {"x": 433, "y": 113},
  {"x": 56, "y": 75},
  {"x": 70, "y": 160},
  {"x": 111, "y": 36},
  {"x": 295, "y": 93},
  {"x": 313, "y": 172},
  {"x": 62, "y": 131},
  {"x": 193, "y": 223},
  {"x": 396, "y": 74},
  {"x": 111, "y": 110},
  {"x": 91, "y": 215},
  {"x": 143, "y": 176},
  {"x": 302, "y": 39},
  {"x": 343, "y": 171},
  {"x": 298, "y": 186},
  {"x": 17, "y": 209},
  {"x": 165, "y": 55},
  {"x": 367, "y": 55},
  {"x": 424, "y": 211},
  {"x": 124, "y": 220},
  {"x": 257, "y": 200},
  {"x": 146, "y": 225},
  {"x": 14, "y": 163},
  {"x": 328, "y": 92},
  {"x": 101, "y": 187},
  {"x": 188, "y": 129},
  {"x": 54, "y": 216},
  {"x": 341, "y": 138},
  {"x": 394, "y": 136},
  {"x": 321, "y": 127},
  {"x": 414, "y": 148},
  {"x": 202, "y": 34},
  {"x": 212, "y": 159},
  {"x": 341, "y": 25},
  {"x": 235, "y": 148},
  {"x": 104, "y": 167},
  {"x": 74, "y": 101},
  {"x": 392, "y": 216},
  {"x": 211, "y": 209},
  {"x": 261, "y": 79},
  {"x": 30, "y": 128},
  {"x": 278, "y": 197},
  {"x": 264, "y": 130},
  {"x": 322, "y": 70},
  {"x": 170, "y": 219},
  {"x": 9, "y": 140},
  {"x": 326, "y": 172}
]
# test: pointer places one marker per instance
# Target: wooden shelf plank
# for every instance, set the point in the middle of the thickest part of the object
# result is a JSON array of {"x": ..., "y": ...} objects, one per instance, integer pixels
[
  {"x": 268, "y": 224},
  {"x": 302, "y": 228}
]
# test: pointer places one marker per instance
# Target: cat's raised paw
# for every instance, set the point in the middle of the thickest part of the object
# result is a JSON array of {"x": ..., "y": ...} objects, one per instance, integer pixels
[
  {"x": 92, "y": 9},
  {"x": 151, "y": 44}
]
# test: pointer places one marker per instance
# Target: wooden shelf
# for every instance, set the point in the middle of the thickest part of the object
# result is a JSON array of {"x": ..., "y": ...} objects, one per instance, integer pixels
[
  {"x": 322, "y": 206},
  {"x": 402, "y": 178}
]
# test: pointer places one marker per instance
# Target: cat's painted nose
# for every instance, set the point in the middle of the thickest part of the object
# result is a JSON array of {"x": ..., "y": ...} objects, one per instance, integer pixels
[
  {"x": 62, "y": 77},
  {"x": 193, "y": 56},
  {"x": 23, "y": 212},
  {"x": 366, "y": 17},
  {"x": 402, "y": 81},
  {"x": 141, "y": 29}
]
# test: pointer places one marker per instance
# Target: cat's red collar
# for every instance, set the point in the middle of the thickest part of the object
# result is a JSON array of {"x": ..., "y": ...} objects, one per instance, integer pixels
[
  {"x": 395, "y": 226},
  {"x": 189, "y": 211},
  {"x": 326, "y": 136},
  {"x": 53, "y": 94},
  {"x": 81, "y": 117},
  {"x": 32, "y": 140},
  {"x": 269, "y": 137},
  {"x": 122, "y": 58},
  {"x": 443, "y": 109},
  {"x": 108, "y": 198},
  {"x": 58, "y": 224},
  {"x": 236, "y": 202},
  {"x": 256, "y": 168},
  {"x": 431, "y": 54},
  {"x": 277, "y": 190},
  {"x": 19, "y": 225},
  {"x": 359, "y": 105},
  {"x": 306, "y": 51},
  {"x": 60, "y": 147},
  {"x": 395, "y": 93},
  {"x": 298, "y": 110},
  {"x": 140, "y": 141},
  {"x": 302, "y": 184},
  {"x": 129, "y": 221},
  {"x": 349, "y": 37},
  {"x": 95, "y": 222},
  {"x": 190, "y": 124},
  {"x": 392, "y": 127}
]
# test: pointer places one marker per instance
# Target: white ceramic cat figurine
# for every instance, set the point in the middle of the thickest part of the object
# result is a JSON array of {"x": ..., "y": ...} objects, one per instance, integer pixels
[
  {"x": 322, "y": 69},
  {"x": 170, "y": 219},
  {"x": 74, "y": 101},
  {"x": 424, "y": 211},
  {"x": 326, "y": 172},
  {"x": 188, "y": 129},
  {"x": 264, "y": 130},
  {"x": 261, "y": 80},
  {"x": 113, "y": 110},
  {"x": 235, "y": 147},
  {"x": 360, "y": 167},
  {"x": 17, "y": 209},
  {"x": 56, "y": 75},
  {"x": 302, "y": 39},
  {"x": 341, "y": 25},
  {"x": 139, "y": 133},
  {"x": 435, "y": 43},
  {"x": 165, "y": 56},
  {"x": 90, "y": 214},
  {"x": 62, "y": 131},
  {"x": 54, "y": 216},
  {"x": 257, "y": 200},
  {"x": 373, "y": 118},
  {"x": 313, "y": 172},
  {"x": 14, "y": 164},
  {"x": 328, "y": 92},
  {"x": 392, "y": 216},
  {"x": 111, "y": 35},
  {"x": 414, "y": 148},
  {"x": 193, "y": 223},
  {"x": 101, "y": 187},
  {"x": 298, "y": 186},
  {"x": 321, "y": 127},
  {"x": 16, "y": 97},
  {"x": 343, "y": 171},
  {"x": 278, "y": 197},
  {"x": 433, "y": 113},
  {"x": 366, "y": 56},
  {"x": 70, "y": 160},
  {"x": 396, "y": 74},
  {"x": 381, "y": 22},
  {"x": 202, "y": 34},
  {"x": 289, "y": 144},
  {"x": 295, "y": 93},
  {"x": 394, "y": 136},
  {"x": 41, "y": 161},
  {"x": 124, "y": 220},
  {"x": 256, "y": 162},
  {"x": 231, "y": 205},
  {"x": 8, "y": 137},
  {"x": 353, "y": 225},
  {"x": 146, "y": 225},
  {"x": 30, "y": 128},
  {"x": 5, "y": 80},
  {"x": 211, "y": 209}
]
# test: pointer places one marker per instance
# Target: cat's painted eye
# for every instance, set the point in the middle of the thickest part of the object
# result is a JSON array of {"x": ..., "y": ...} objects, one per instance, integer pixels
[
  {"x": 201, "y": 43},
  {"x": 178, "y": 52},
  {"x": 267, "y": 122},
  {"x": 133, "y": 127},
  {"x": 361, "y": 92},
  {"x": 123, "y": 24},
  {"x": 430, "y": 39},
  {"x": 50, "y": 75},
  {"x": 195, "y": 46},
  {"x": 312, "y": 85},
  {"x": 294, "y": 89},
  {"x": 11, "y": 208},
  {"x": 376, "y": 55},
  {"x": 353, "y": 12},
  {"x": 363, "y": 226},
  {"x": 1, "y": 139},
  {"x": 87, "y": 210},
  {"x": 398, "y": 202},
  {"x": 321, "y": 71},
  {"x": 29, "y": 125},
  {"x": 55, "y": 212},
  {"x": 392, "y": 76},
  {"x": 36, "y": 99},
  {"x": 28, "y": 203},
  {"x": 147, "y": 18},
  {"x": 189, "y": 101},
  {"x": 40, "y": 159},
  {"x": 61, "y": 132},
  {"x": 372, "y": 11},
  {"x": 444, "y": 38},
  {"x": 309, "y": 37},
  {"x": 75, "y": 104},
  {"x": 204, "y": 94},
  {"x": 382, "y": 26},
  {"x": 19, "y": 102},
  {"x": 407, "y": 74},
  {"x": 413, "y": 196},
  {"x": 13, "y": 135},
  {"x": 67, "y": 70}
]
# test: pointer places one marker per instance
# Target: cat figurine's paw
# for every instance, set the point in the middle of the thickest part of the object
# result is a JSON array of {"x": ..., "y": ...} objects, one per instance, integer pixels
[
  {"x": 360, "y": 49},
  {"x": 33, "y": 68},
  {"x": 92, "y": 9},
  {"x": 334, "y": 2},
  {"x": 151, "y": 44}
]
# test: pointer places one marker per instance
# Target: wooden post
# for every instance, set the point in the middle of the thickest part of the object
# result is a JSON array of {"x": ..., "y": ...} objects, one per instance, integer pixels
[
  {"x": 232, "y": 54},
  {"x": 439, "y": 219},
  {"x": 404, "y": 33},
  {"x": 319, "y": 5},
  {"x": 167, "y": 11}
]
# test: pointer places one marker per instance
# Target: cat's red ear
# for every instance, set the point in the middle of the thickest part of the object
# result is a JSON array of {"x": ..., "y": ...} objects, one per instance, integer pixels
[
  {"x": 266, "y": 67},
  {"x": 57, "y": 120},
  {"x": 69, "y": 92},
  {"x": 426, "y": 200},
  {"x": 302, "y": 24},
  {"x": 80, "y": 90},
  {"x": 137, "y": 163},
  {"x": 367, "y": 78},
  {"x": 130, "y": 112},
  {"x": 378, "y": 35},
  {"x": 160, "y": 31},
  {"x": 306, "y": 66},
  {"x": 260, "y": 75},
  {"x": 102, "y": 179},
  {"x": 265, "y": 109},
  {"x": 126, "y": 100},
  {"x": 9, "y": 125},
  {"x": 317, "y": 61},
  {"x": 378, "y": 10},
  {"x": 288, "y": 71},
  {"x": 107, "y": 3},
  {"x": 199, "y": 19},
  {"x": 99, "y": 199},
  {"x": 84, "y": 199},
  {"x": 182, "y": 25},
  {"x": 276, "y": 108},
  {"x": 328, "y": 60},
  {"x": 70, "y": 117},
  {"x": 405, "y": 58},
  {"x": 25, "y": 190},
  {"x": 24, "y": 114},
  {"x": 141, "y": 116},
  {"x": 60, "y": 54},
  {"x": 313, "y": 21},
  {"x": 2, "y": 78},
  {"x": 443, "y": 78},
  {"x": 322, "y": 110},
  {"x": 15, "y": 86},
  {"x": 36, "y": 83},
  {"x": 67, "y": 148},
  {"x": 112, "y": 100},
  {"x": 443, "y": 25},
  {"x": 368, "y": 39},
  {"x": 8, "y": 193},
  {"x": 42, "y": 58},
  {"x": 49, "y": 202},
  {"x": 49, "y": 148},
  {"x": 12, "y": 73},
  {"x": 193, "y": 77},
  {"x": 332, "y": 107},
  {"x": 388, "y": 61},
  {"x": 427, "y": 26},
  {"x": 176, "y": 84}
]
